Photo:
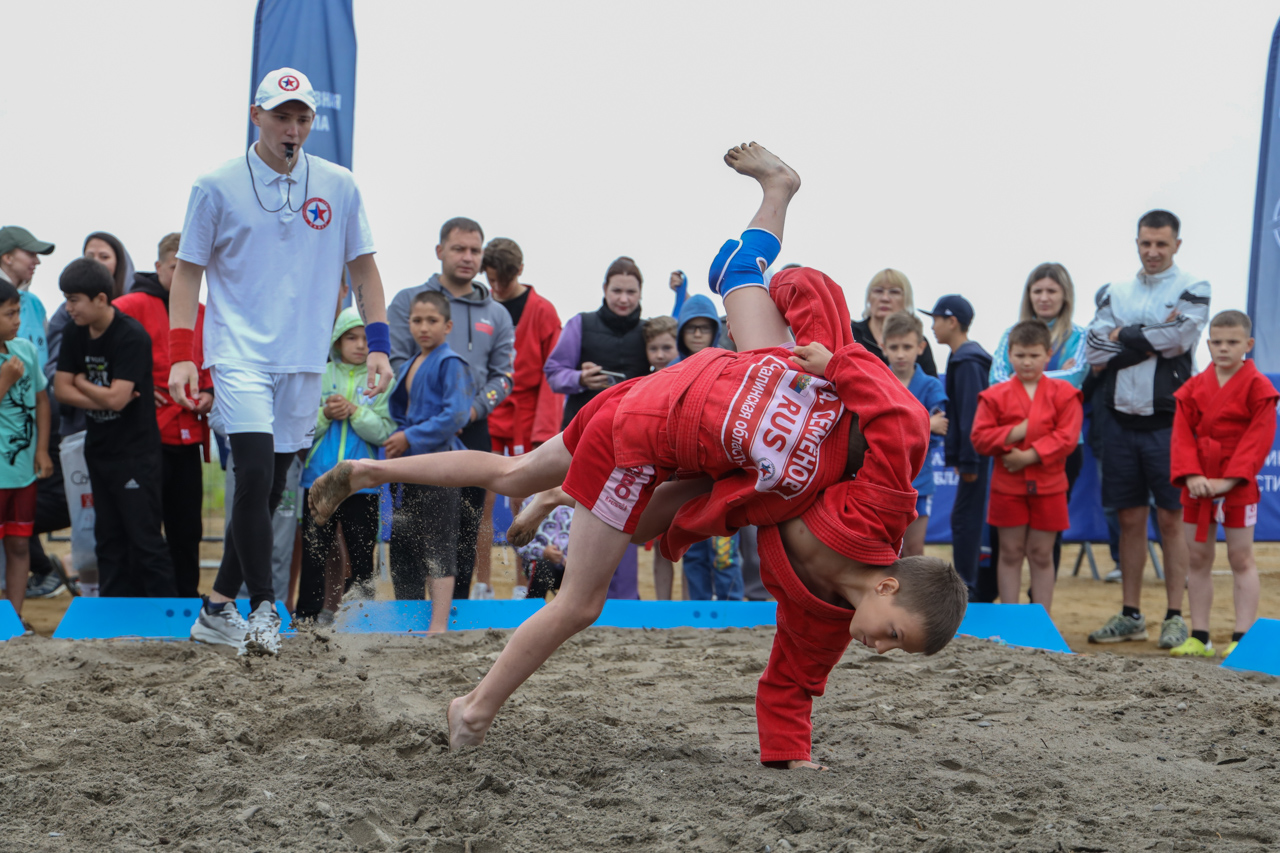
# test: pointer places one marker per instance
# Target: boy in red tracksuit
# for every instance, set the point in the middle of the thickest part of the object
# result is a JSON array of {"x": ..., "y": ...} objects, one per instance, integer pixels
[
  {"x": 512, "y": 425},
  {"x": 184, "y": 434},
  {"x": 1030, "y": 423},
  {"x": 1223, "y": 429},
  {"x": 774, "y": 443}
]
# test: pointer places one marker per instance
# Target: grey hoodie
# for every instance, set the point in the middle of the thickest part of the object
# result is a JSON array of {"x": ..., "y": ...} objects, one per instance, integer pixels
[{"x": 482, "y": 334}]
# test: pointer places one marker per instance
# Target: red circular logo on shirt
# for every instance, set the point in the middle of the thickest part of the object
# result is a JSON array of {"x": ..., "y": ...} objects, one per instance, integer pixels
[
  {"x": 317, "y": 213},
  {"x": 288, "y": 83}
]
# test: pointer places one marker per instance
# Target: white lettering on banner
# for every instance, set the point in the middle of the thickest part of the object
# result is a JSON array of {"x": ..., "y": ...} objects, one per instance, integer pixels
[
  {"x": 776, "y": 424},
  {"x": 332, "y": 100},
  {"x": 945, "y": 477},
  {"x": 321, "y": 123},
  {"x": 1269, "y": 482},
  {"x": 1273, "y": 459}
]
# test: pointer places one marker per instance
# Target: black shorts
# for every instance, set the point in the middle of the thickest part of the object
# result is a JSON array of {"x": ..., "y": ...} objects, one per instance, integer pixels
[{"x": 1135, "y": 468}]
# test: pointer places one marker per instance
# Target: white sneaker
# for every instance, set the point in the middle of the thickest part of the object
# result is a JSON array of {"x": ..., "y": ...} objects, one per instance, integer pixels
[
  {"x": 519, "y": 593},
  {"x": 481, "y": 592},
  {"x": 226, "y": 628},
  {"x": 264, "y": 631}
]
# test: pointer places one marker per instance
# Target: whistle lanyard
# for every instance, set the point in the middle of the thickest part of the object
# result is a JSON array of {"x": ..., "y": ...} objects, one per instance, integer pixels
[{"x": 289, "y": 195}]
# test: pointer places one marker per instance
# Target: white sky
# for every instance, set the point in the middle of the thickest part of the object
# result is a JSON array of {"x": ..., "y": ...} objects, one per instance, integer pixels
[{"x": 960, "y": 143}]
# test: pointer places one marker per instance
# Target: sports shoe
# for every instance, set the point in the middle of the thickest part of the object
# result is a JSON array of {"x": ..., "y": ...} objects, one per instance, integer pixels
[
  {"x": 1173, "y": 632},
  {"x": 264, "y": 631},
  {"x": 60, "y": 569},
  {"x": 481, "y": 592},
  {"x": 1120, "y": 628},
  {"x": 45, "y": 586},
  {"x": 519, "y": 593},
  {"x": 1114, "y": 576},
  {"x": 1226, "y": 653},
  {"x": 225, "y": 628},
  {"x": 1194, "y": 648}
]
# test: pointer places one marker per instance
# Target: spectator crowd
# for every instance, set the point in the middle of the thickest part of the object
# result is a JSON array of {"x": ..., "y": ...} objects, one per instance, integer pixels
[{"x": 94, "y": 442}]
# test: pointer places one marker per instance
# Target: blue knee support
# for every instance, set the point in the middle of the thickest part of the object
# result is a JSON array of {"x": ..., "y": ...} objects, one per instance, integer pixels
[{"x": 742, "y": 262}]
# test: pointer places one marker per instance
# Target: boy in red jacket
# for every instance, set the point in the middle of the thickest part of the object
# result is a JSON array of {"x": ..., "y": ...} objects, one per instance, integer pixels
[
  {"x": 1031, "y": 423},
  {"x": 184, "y": 434},
  {"x": 1223, "y": 429},
  {"x": 778, "y": 444}
]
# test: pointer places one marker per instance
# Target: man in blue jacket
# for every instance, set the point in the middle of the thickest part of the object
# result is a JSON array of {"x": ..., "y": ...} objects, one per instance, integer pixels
[{"x": 968, "y": 369}]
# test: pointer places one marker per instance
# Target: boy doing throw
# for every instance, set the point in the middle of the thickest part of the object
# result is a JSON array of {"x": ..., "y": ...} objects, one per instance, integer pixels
[
  {"x": 1031, "y": 423},
  {"x": 1223, "y": 428}
]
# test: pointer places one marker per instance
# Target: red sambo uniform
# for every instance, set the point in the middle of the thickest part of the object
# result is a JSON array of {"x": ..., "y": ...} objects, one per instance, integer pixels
[
  {"x": 512, "y": 423},
  {"x": 1222, "y": 432}
]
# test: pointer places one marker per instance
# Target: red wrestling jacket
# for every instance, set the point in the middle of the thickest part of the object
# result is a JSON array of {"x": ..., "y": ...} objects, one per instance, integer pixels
[
  {"x": 1053, "y": 418},
  {"x": 1222, "y": 431},
  {"x": 536, "y": 336},
  {"x": 776, "y": 438}
]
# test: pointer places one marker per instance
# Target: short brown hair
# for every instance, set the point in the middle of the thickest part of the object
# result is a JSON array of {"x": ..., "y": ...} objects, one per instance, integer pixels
[
  {"x": 504, "y": 257},
  {"x": 1029, "y": 333},
  {"x": 931, "y": 588},
  {"x": 901, "y": 324},
  {"x": 1232, "y": 318},
  {"x": 460, "y": 223},
  {"x": 623, "y": 266},
  {"x": 662, "y": 325},
  {"x": 434, "y": 298},
  {"x": 168, "y": 245}
]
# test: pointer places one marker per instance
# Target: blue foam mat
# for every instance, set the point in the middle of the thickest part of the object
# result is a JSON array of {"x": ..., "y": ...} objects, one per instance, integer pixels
[
  {"x": 1259, "y": 649},
  {"x": 396, "y": 617},
  {"x": 1026, "y": 625},
  {"x": 620, "y": 613},
  {"x": 143, "y": 618},
  {"x": 10, "y": 624}
]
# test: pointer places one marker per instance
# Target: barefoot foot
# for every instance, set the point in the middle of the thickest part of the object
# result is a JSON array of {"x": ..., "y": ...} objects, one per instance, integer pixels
[
  {"x": 760, "y": 163},
  {"x": 462, "y": 733},
  {"x": 806, "y": 765},
  {"x": 525, "y": 525},
  {"x": 329, "y": 490}
]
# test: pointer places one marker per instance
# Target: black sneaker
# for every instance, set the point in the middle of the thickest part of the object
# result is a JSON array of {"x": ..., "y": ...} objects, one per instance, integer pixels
[{"x": 45, "y": 586}]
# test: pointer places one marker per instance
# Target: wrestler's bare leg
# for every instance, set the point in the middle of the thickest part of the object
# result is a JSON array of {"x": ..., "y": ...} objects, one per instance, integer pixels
[
  {"x": 542, "y": 468},
  {"x": 534, "y": 512},
  {"x": 754, "y": 320}
]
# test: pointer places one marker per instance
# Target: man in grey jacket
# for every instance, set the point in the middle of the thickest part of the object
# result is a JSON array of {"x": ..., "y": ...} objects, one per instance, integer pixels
[
  {"x": 483, "y": 335},
  {"x": 1142, "y": 340}
]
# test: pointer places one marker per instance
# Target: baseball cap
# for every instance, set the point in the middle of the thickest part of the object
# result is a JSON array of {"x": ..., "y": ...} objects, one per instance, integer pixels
[
  {"x": 14, "y": 237},
  {"x": 952, "y": 305},
  {"x": 284, "y": 84}
]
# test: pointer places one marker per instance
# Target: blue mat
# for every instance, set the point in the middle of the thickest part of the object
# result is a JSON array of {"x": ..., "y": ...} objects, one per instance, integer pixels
[
  {"x": 1026, "y": 625},
  {"x": 619, "y": 613},
  {"x": 398, "y": 617},
  {"x": 142, "y": 618},
  {"x": 1259, "y": 649},
  {"x": 10, "y": 624}
]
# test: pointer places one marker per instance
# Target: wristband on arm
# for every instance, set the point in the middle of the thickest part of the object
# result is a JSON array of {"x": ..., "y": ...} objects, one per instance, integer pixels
[
  {"x": 379, "y": 337},
  {"x": 181, "y": 345}
]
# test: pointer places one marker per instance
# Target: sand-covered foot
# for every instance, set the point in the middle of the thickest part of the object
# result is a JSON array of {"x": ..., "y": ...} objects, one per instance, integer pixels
[
  {"x": 331, "y": 489},
  {"x": 525, "y": 525},
  {"x": 758, "y": 162},
  {"x": 806, "y": 765},
  {"x": 460, "y": 732}
]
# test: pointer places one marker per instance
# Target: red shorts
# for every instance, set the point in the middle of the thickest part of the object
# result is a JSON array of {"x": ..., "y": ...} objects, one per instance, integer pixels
[
  {"x": 505, "y": 447},
  {"x": 1039, "y": 512},
  {"x": 1242, "y": 515},
  {"x": 17, "y": 511},
  {"x": 616, "y": 496}
]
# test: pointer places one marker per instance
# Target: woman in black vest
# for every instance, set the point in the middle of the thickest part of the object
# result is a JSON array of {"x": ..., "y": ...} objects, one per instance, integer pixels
[{"x": 595, "y": 344}]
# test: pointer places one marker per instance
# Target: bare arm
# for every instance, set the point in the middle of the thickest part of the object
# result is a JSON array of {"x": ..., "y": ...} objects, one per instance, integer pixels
[
  {"x": 366, "y": 284},
  {"x": 184, "y": 303},
  {"x": 113, "y": 398},
  {"x": 44, "y": 464},
  {"x": 64, "y": 388}
]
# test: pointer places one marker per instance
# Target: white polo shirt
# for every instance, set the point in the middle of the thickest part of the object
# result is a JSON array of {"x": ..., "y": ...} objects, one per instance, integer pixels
[{"x": 273, "y": 277}]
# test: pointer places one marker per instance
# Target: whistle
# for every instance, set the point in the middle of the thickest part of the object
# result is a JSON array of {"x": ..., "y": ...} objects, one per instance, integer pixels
[{"x": 288, "y": 151}]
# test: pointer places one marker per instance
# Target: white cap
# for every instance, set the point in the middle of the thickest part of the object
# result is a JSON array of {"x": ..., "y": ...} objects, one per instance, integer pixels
[{"x": 284, "y": 84}]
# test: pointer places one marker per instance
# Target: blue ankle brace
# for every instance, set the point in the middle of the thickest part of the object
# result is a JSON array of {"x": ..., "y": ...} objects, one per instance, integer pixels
[{"x": 742, "y": 262}]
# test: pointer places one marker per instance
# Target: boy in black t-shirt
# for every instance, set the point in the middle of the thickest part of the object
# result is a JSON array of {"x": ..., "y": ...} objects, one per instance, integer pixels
[{"x": 104, "y": 366}]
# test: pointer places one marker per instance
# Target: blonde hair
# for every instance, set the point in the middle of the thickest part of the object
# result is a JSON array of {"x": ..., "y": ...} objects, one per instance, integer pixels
[
  {"x": 662, "y": 325},
  {"x": 900, "y": 324},
  {"x": 890, "y": 278},
  {"x": 1061, "y": 328},
  {"x": 168, "y": 245}
]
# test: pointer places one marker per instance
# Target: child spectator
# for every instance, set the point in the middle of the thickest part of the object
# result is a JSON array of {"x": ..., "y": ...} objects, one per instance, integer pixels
[
  {"x": 1032, "y": 422},
  {"x": 660, "y": 341},
  {"x": 712, "y": 567},
  {"x": 1223, "y": 429},
  {"x": 904, "y": 343},
  {"x": 431, "y": 402},
  {"x": 349, "y": 425},
  {"x": 104, "y": 367},
  {"x": 548, "y": 550},
  {"x": 184, "y": 434},
  {"x": 967, "y": 371},
  {"x": 24, "y": 435}
]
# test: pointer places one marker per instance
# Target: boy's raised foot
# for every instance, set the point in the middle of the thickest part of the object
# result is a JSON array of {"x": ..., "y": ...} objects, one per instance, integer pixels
[
  {"x": 331, "y": 489},
  {"x": 758, "y": 162},
  {"x": 462, "y": 733},
  {"x": 535, "y": 511}
]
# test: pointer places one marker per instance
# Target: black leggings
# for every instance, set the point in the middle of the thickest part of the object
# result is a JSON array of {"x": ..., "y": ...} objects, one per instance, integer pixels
[
  {"x": 359, "y": 517},
  {"x": 424, "y": 538},
  {"x": 260, "y": 480}
]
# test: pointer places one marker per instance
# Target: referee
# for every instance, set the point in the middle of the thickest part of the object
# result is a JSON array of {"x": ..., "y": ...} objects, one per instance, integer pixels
[{"x": 271, "y": 231}]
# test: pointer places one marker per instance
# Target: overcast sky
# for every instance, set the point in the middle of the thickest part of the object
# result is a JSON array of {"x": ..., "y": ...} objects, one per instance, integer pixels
[{"x": 960, "y": 143}]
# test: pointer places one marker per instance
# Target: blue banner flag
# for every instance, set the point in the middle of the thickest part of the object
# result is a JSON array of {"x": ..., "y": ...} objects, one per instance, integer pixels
[
  {"x": 1264, "y": 268},
  {"x": 318, "y": 38}
]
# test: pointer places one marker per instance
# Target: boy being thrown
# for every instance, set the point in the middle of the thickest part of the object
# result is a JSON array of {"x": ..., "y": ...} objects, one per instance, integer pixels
[{"x": 779, "y": 445}]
